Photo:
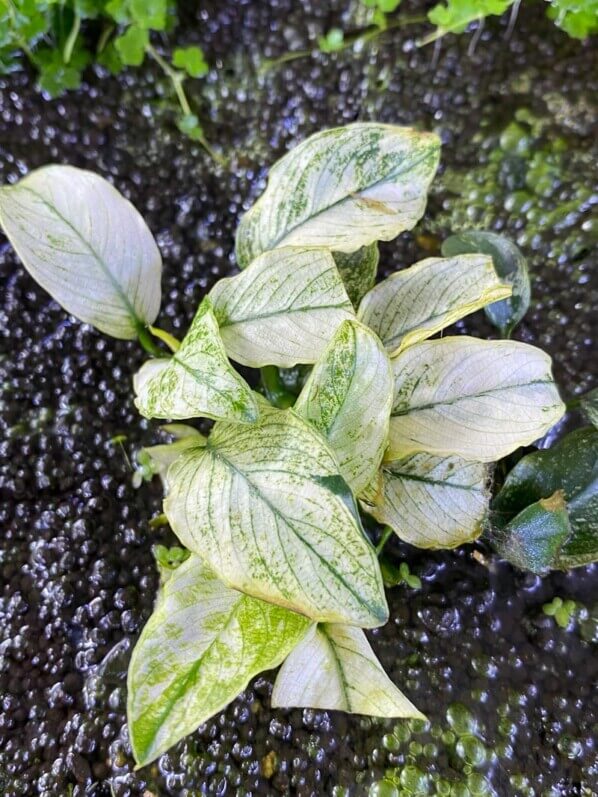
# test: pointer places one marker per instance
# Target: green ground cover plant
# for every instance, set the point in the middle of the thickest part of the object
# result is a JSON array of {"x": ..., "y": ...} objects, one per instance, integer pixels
[{"x": 362, "y": 410}]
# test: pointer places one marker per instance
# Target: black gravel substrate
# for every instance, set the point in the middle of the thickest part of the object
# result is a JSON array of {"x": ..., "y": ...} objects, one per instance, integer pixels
[{"x": 511, "y": 698}]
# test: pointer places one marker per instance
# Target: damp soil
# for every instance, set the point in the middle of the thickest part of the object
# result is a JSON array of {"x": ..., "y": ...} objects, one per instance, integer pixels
[{"x": 510, "y": 696}]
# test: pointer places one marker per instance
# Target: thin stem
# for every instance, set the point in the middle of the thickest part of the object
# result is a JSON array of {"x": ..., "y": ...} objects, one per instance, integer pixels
[
  {"x": 173, "y": 343},
  {"x": 177, "y": 79},
  {"x": 148, "y": 344},
  {"x": 275, "y": 391},
  {"x": 71, "y": 40},
  {"x": 104, "y": 36},
  {"x": 386, "y": 535}
]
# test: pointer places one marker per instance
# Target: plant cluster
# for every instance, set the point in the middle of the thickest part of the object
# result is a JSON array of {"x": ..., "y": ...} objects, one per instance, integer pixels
[
  {"x": 275, "y": 567},
  {"x": 60, "y": 38}
]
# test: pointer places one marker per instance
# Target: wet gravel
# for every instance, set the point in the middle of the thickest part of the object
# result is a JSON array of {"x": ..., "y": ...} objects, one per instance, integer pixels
[{"x": 508, "y": 694}]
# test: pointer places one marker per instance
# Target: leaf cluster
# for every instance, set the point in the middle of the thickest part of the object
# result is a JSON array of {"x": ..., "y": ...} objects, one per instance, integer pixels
[{"x": 389, "y": 420}]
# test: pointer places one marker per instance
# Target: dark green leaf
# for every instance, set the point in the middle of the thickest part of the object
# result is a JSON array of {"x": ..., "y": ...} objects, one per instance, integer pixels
[
  {"x": 535, "y": 537},
  {"x": 110, "y": 59},
  {"x": 54, "y": 75},
  {"x": 118, "y": 10},
  {"x": 510, "y": 266},
  {"x": 571, "y": 466},
  {"x": 589, "y": 406},
  {"x": 192, "y": 60}
]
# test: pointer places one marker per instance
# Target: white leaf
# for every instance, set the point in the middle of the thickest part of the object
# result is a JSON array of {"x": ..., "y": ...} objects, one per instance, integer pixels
[
  {"x": 86, "y": 245},
  {"x": 474, "y": 398},
  {"x": 197, "y": 380},
  {"x": 342, "y": 189},
  {"x": 348, "y": 397},
  {"x": 200, "y": 648},
  {"x": 283, "y": 309},
  {"x": 334, "y": 668},
  {"x": 432, "y": 502},
  {"x": 418, "y": 302},
  {"x": 266, "y": 507}
]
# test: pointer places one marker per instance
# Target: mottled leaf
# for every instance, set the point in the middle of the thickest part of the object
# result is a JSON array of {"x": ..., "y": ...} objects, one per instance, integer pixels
[
  {"x": 283, "y": 309},
  {"x": 200, "y": 648},
  {"x": 267, "y": 508},
  {"x": 348, "y": 397},
  {"x": 334, "y": 668},
  {"x": 432, "y": 502},
  {"x": 155, "y": 460},
  {"x": 197, "y": 380},
  {"x": 358, "y": 271},
  {"x": 86, "y": 245},
  {"x": 571, "y": 466},
  {"x": 535, "y": 537},
  {"x": 589, "y": 406},
  {"x": 474, "y": 398},
  {"x": 418, "y": 302},
  {"x": 510, "y": 266},
  {"x": 342, "y": 189}
]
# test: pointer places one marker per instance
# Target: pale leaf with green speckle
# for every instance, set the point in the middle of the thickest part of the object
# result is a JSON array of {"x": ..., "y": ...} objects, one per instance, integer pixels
[
  {"x": 342, "y": 189},
  {"x": 334, "y": 668},
  {"x": 474, "y": 398},
  {"x": 432, "y": 502},
  {"x": 266, "y": 507},
  {"x": 283, "y": 309},
  {"x": 419, "y": 301},
  {"x": 200, "y": 648},
  {"x": 86, "y": 245},
  {"x": 358, "y": 270},
  {"x": 197, "y": 381},
  {"x": 348, "y": 397}
]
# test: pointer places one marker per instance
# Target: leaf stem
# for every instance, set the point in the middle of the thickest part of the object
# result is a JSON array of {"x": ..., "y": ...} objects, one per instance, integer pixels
[
  {"x": 72, "y": 38},
  {"x": 275, "y": 391},
  {"x": 146, "y": 341},
  {"x": 157, "y": 521},
  {"x": 177, "y": 79},
  {"x": 384, "y": 538},
  {"x": 573, "y": 403},
  {"x": 173, "y": 343}
]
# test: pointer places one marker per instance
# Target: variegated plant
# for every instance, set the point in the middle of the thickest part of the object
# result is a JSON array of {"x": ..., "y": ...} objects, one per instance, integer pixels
[{"x": 388, "y": 420}]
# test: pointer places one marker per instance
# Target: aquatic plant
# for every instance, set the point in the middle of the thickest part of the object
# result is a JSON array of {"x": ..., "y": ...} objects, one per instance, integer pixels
[
  {"x": 60, "y": 39},
  {"x": 382, "y": 418}
]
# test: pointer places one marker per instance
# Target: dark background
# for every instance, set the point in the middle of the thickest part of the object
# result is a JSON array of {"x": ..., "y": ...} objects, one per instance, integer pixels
[{"x": 78, "y": 578}]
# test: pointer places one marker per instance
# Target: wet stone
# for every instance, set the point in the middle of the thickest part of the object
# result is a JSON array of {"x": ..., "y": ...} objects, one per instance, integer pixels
[{"x": 76, "y": 568}]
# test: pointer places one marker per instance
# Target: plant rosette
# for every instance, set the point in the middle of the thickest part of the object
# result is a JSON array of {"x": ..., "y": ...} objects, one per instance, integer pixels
[{"x": 275, "y": 567}]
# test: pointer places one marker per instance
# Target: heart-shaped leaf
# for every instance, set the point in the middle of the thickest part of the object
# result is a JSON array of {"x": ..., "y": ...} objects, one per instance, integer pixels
[
  {"x": 86, "y": 245},
  {"x": 510, "y": 266},
  {"x": 348, "y": 397},
  {"x": 266, "y": 507},
  {"x": 432, "y": 502},
  {"x": 474, "y": 398},
  {"x": 197, "y": 380},
  {"x": 418, "y": 302},
  {"x": 342, "y": 189},
  {"x": 283, "y": 309},
  {"x": 200, "y": 648},
  {"x": 358, "y": 271},
  {"x": 333, "y": 667},
  {"x": 570, "y": 466}
]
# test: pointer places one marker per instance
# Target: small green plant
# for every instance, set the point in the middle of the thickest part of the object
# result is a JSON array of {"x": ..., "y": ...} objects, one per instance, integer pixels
[
  {"x": 561, "y": 610},
  {"x": 60, "y": 39},
  {"x": 275, "y": 567}
]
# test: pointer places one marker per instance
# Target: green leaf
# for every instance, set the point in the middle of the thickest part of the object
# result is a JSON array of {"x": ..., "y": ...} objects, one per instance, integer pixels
[
  {"x": 189, "y": 125},
  {"x": 149, "y": 14},
  {"x": 474, "y": 398},
  {"x": 332, "y": 42},
  {"x": 351, "y": 186},
  {"x": 533, "y": 540},
  {"x": 456, "y": 15},
  {"x": 197, "y": 381},
  {"x": 432, "y": 502},
  {"x": 56, "y": 76},
  {"x": 131, "y": 45},
  {"x": 347, "y": 398},
  {"x": 191, "y": 60},
  {"x": 110, "y": 59},
  {"x": 418, "y": 302},
  {"x": 589, "y": 406},
  {"x": 200, "y": 648},
  {"x": 578, "y": 18},
  {"x": 571, "y": 466},
  {"x": 118, "y": 10},
  {"x": 334, "y": 668},
  {"x": 358, "y": 271},
  {"x": 283, "y": 310},
  {"x": 86, "y": 245},
  {"x": 510, "y": 266},
  {"x": 266, "y": 507}
]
